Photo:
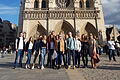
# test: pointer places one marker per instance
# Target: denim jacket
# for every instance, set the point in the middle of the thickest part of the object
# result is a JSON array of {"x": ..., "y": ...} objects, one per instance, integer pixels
[{"x": 70, "y": 43}]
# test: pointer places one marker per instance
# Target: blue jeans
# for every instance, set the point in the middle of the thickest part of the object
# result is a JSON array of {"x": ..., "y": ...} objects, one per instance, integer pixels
[
  {"x": 66, "y": 56},
  {"x": 71, "y": 53},
  {"x": 99, "y": 50},
  {"x": 49, "y": 60},
  {"x": 60, "y": 57},
  {"x": 112, "y": 54},
  {"x": 19, "y": 55},
  {"x": 29, "y": 56},
  {"x": 43, "y": 53}
]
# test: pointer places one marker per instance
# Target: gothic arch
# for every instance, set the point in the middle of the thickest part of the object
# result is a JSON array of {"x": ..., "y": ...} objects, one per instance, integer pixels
[
  {"x": 81, "y": 4},
  {"x": 44, "y": 4},
  {"x": 89, "y": 4},
  {"x": 36, "y": 4},
  {"x": 89, "y": 28},
  {"x": 65, "y": 27},
  {"x": 37, "y": 30}
]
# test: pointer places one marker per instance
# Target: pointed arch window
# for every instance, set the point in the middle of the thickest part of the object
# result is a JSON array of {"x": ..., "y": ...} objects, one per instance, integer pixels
[
  {"x": 36, "y": 4},
  {"x": 87, "y": 3},
  {"x": 81, "y": 4},
  {"x": 44, "y": 4}
]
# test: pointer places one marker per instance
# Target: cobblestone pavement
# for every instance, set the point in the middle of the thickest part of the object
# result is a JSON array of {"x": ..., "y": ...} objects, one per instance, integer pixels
[{"x": 106, "y": 71}]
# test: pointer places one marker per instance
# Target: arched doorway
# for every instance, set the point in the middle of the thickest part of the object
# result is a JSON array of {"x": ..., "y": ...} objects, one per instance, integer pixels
[
  {"x": 89, "y": 28},
  {"x": 64, "y": 26},
  {"x": 37, "y": 31}
]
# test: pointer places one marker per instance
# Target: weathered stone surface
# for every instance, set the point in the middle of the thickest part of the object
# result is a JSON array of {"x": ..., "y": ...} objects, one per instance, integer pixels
[{"x": 106, "y": 71}]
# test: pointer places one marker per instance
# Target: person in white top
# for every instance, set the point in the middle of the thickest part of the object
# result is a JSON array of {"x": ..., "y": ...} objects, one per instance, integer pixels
[
  {"x": 117, "y": 47},
  {"x": 29, "y": 50},
  {"x": 20, "y": 46},
  {"x": 77, "y": 51},
  {"x": 111, "y": 46}
]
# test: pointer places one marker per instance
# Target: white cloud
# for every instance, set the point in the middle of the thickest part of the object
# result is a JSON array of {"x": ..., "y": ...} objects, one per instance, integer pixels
[
  {"x": 10, "y": 10},
  {"x": 111, "y": 10}
]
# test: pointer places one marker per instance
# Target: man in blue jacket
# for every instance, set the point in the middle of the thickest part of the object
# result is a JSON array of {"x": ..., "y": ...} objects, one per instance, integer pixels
[{"x": 71, "y": 51}]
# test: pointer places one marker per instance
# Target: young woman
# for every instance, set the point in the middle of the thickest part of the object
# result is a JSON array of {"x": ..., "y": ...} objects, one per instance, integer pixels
[
  {"x": 37, "y": 52},
  {"x": 85, "y": 50},
  {"x": 43, "y": 50},
  {"x": 93, "y": 53},
  {"x": 50, "y": 49},
  {"x": 61, "y": 51},
  {"x": 56, "y": 49},
  {"x": 29, "y": 48}
]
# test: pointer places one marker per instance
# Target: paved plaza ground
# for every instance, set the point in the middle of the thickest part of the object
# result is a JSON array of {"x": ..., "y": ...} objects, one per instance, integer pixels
[{"x": 106, "y": 71}]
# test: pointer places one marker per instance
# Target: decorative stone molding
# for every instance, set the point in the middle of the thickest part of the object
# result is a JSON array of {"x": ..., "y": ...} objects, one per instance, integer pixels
[{"x": 61, "y": 14}]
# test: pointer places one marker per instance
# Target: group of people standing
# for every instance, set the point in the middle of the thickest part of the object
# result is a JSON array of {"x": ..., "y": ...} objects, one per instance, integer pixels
[{"x": 58, "y": 48}]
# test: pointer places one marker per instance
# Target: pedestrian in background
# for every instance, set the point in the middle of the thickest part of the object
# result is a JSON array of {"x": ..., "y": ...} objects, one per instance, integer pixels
[{"x": 111, "y": 46}]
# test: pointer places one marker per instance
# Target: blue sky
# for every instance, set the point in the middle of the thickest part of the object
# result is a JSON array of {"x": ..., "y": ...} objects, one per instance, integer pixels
[{"x": 9, "y": 10}]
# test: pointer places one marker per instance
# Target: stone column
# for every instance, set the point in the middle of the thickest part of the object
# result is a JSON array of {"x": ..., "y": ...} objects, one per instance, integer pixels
[
  {"x": 76, "y": 4},
  {"x": 84, "y": 4},
  {"x": 40, "y": 3}
]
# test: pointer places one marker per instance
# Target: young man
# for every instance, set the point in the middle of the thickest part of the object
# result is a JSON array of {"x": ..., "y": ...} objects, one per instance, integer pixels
[
  {"x": 71, "y": 51},
  {"x": 77, "y": 51},
  {"x": 20, "y": 46},
  {"x": 111, "y": 46}
]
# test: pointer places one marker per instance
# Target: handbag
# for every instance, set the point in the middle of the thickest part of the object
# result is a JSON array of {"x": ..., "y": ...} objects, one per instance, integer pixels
[
  {"x": 54, "y": 55},
  {"x": 97, "y": 60}
]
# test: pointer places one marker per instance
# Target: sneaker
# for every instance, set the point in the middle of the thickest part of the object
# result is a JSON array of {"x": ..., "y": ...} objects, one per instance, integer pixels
[
  {"x": 38, "y": 67},
  {"x": 32, "y": 67},
  {"x": 26, "y": 66},
  {"x": 14, "y": 67},
  {"x": 42, "y": 67},
  {"x": 74, "y": 67},
  {"x": 68, "y": 67}
]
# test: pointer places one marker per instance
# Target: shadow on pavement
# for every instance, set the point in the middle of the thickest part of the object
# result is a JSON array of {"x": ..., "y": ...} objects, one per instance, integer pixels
[
  {"x": 6, "y": 65},
  {"x": 109, "y": 67},
  {"x": 9, "y": 65}
]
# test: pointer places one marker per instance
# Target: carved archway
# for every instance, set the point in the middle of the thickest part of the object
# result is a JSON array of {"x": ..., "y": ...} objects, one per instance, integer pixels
[
  {"x": 37, "y": 30},
  {"x": 64, "y": 26},
  {"x": 89, "y": 28}
]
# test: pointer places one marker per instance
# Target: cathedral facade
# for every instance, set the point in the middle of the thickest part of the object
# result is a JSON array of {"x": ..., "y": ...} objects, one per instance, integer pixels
[{"x": 39, "y": 17}]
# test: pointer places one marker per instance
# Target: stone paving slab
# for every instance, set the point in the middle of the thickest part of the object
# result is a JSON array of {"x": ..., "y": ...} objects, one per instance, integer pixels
[{"x": 106, "y": 71}]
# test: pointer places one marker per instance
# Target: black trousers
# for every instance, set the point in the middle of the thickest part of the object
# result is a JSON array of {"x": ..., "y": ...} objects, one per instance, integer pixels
[
  {"x": 85, "y": 57},
  {"x": 77, "y": 58}
]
